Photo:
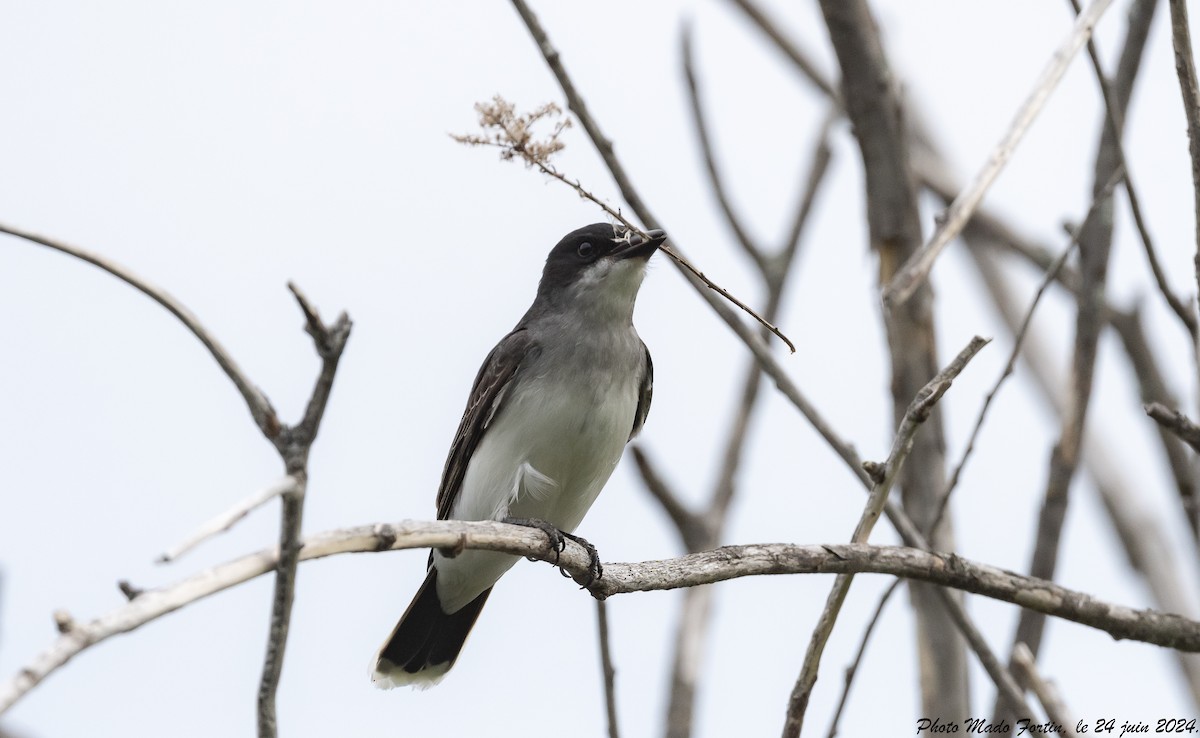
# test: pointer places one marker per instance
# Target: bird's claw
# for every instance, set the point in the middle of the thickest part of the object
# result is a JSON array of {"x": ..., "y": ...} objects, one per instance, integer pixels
[
  {"x": 558, "y": 543},
  {"x": 555, "y": 537},
  {"x": 595, "y": 568}
]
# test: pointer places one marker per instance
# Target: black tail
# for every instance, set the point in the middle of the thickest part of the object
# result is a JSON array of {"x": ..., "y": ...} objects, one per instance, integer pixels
[{"x": 426, "y": 641}]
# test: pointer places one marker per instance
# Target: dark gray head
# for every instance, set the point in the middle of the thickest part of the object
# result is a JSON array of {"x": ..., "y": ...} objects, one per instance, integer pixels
[{"x": 597, "y": 270}]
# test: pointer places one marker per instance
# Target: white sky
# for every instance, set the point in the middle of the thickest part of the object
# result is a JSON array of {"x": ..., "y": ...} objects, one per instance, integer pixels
[{"x": 222, "y": 149}]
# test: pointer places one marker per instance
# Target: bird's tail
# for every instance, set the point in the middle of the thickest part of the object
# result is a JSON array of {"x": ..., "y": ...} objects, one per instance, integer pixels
[{"x": 426, "y": 641}]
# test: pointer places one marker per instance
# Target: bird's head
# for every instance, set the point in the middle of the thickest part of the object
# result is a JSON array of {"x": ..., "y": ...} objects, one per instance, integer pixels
[{"x": 597, "y": 270}]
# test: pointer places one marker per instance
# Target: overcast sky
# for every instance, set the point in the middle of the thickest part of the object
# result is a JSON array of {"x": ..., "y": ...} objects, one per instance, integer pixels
[{"x": 221, "y": 149}]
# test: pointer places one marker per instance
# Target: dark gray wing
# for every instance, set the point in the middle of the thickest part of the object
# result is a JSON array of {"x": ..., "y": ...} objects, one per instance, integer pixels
[
  {"x": 644, "y": 395},
  {"x": 487, "y": 395}
]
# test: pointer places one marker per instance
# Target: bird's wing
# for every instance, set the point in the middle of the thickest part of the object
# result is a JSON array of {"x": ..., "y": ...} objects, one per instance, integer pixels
[
  {"x": 487, "y": 395},
  {"x": 645, "y": 393}
]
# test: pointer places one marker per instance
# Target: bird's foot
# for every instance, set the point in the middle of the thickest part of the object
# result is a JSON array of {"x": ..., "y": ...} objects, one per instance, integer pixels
[
  {"x": 595, "y": 568},
  {"x": 558, "y": 544}
]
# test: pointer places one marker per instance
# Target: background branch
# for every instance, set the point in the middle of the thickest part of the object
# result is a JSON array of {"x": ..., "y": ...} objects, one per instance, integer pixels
[
  {"x": 876, "y": 110},
  {"x": 918, "y": 412},
  {"x": 917, "y": 268},
  {"x": 1189, "y": 88}
]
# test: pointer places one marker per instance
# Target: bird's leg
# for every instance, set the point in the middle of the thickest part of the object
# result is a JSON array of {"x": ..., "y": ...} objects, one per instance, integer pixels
[
  {"x": 558, "y": 543},
  {"x": 595, "y": 568}
]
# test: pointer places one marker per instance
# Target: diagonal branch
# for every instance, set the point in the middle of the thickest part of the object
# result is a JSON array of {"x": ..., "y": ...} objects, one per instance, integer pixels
[
  {"x": 870, "y": 91},
  {"x": 916, "y": 269},
  {"x": 748, "y": 336},
  {"x": 293, "y": 444},
  {"x": 852, "y": 669},
  {"x": 607, "y": 670},
  {"x": 260, "y": 407},
  {"x": 1112, "y": 151},
  {"x": 918, "y": 412},
  {"x": 1047, "y": 693},
  {"x": 715, "y": 181},
  {"x": 1177, "y": 423},
  {"x": 227, "y": 519},
  {"x": 1019, "y": 340},
  {"x": 1189, "y": 88}
]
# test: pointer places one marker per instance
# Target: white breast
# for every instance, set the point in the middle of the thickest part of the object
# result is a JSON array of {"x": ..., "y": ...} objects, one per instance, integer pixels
[{"x": 547, "y": 455}]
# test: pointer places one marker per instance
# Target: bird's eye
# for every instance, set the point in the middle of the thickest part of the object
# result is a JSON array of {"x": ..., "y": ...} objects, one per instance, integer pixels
[{"x": 585, "y": 250}]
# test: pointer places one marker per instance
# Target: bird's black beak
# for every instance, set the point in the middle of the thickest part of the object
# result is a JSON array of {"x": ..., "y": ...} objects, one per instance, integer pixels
[{"x": 641, "y": 248}]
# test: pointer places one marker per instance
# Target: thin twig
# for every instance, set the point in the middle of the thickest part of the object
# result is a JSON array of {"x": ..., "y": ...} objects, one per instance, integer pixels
[
  {"x": 293, "y": 445},
  {"x": 691, "y": 526},
  {"x": 899, "y": 519},
  {"x": 291, "y": 442},
  {"x": 517, "y": 147},
  {"x": 709, "y": 567},
  {"x": 852, "y": 669},
  {"x": 919, "y": 410},
  {"x": 715, "y": 181},
  {"x": 1142, "y": 535},
  {"x": 1189, "y": 87},
  {"x": 753, "y": 341},
  {"x": 774, "y": 270},
  {"x": 226, "y": 520},
  {"x": 1114, "y": 109},
  {"x": 608, "y": 671},
  {"x": 908, "y": 532},
  {"x": 871, "y": 93},
  {"x": 986, "y": 232},
  {"x": 260, "y": 407},
  {"x": 914, "y": 272},
  {"x": 1019, "y": 340},
  {"x": 799, "y": 59},
  {"x": 1177, "y": 423},
  {"x": 705, "y": 530},
  {"x": 1026, "y": 670}
]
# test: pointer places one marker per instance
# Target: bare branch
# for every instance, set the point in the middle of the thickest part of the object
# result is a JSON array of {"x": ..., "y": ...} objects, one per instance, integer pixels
[
  {"x": 1177, "y": 423},
  {"x": 1111, "y": 156},
  {"x": 260, "y": 407},
  {"x": 986, "y": 232},
  {"x": 1026, "y": 670},
  {"x": 1141, "y": 533},
  {"x": 1189, "y": 87},
  {"x": 914, "y": 272},
  {"x": 705, "y": 530},
  {"x": 721, "y": 564},
  {"x": 226, "y": 520},
  {"x": 1019, "y": 339},
  {"x": 293, "y": 444},
  {"x": 691, "y": 526},
  {"x": 871, "y": 94},
  {"x": 918, "y": 412},
  {"x": 329, "y": 342},
  {"x": 743, "y": 238},
  {"x": 500, "y": 115},
  {"x": 852, "y": 669},
  {"x": 753, "y": 341},
  {"x": 903, "y": 524},
  {"x": 801, "y": 61},
  {"x": 608, "y": 671},
  {"x": 686, "y": 669}
]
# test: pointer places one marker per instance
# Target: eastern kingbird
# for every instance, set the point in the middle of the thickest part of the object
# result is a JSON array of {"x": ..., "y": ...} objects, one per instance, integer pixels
[{"x": 550, "y": 412}]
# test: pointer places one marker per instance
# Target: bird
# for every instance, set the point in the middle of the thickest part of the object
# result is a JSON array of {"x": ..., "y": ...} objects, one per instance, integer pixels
[{"x": 548, "y": 417}]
